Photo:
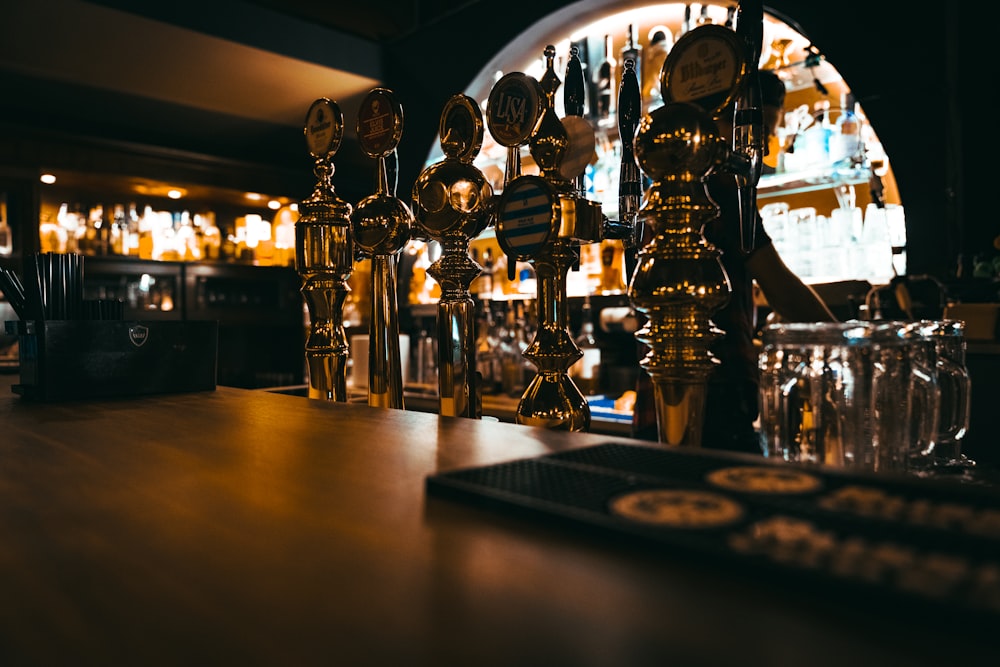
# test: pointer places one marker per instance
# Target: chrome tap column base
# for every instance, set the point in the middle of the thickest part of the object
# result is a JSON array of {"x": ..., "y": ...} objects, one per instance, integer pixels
[
  {"x": 552, "y": 400},
  {"x": 324, "y": 258},
  {"x": 678, "y": 281},
  {"x": 459, "y": 390}
]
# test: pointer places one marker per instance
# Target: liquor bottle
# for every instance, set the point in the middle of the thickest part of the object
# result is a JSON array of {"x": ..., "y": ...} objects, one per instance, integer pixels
[
  {"x": 813, "y": 145},
  {"x": 604, "y": 82},
  {"x": 611, "y": 271},
  {"x": 704, "y": 18},
  {"x": 118, "y": 233},
  {"x": 511, "y": 352},
  {"x": 145, "y": 225},
  {"x": 686, "y": 23},
  {"x": 132, "y": 230},
  {"x": 660, "y": 43},
  {"x": 97, "y": 230},
  {"x": 6, "y": 237},
  {"x": 633, "y": 51},
  {"x": 586, "y": 371},
  {"x": 487, "y": 347},
  {"x": 482, "y": 286},
  {"x": 846, "y": 148}
]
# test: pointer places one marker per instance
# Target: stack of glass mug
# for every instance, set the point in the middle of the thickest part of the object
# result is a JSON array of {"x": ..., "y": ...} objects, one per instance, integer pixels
[{"x": 883, "y": 396}]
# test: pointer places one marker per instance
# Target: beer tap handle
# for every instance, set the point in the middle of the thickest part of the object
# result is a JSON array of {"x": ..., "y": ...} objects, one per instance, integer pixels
[
  {"x": 582, "y": 139},
  {"x": 382, "y": 224},
  {"x": 574, "y": 90},
  {"x": 629, "y": 176},
  {"x": 748, "y": 119},
  {"x": 391, "y": 162}
]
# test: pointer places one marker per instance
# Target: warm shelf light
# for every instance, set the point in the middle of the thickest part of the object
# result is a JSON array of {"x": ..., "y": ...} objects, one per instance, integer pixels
[{"x": 48, "y": 179}]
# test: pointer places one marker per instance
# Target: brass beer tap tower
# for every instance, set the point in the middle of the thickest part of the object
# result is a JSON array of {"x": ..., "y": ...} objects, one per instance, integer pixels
[
  {"x": 324, "y": 257},
  {"x": 452, "y": 205},
  {"x": 679, "y": 281},
  {"x": 543, "y": 219},
  {"x": 381, "y": 224}
]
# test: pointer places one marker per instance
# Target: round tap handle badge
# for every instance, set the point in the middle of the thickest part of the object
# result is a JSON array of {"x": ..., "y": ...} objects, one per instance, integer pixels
[
  {"x": 513, "y": 108},
  {"x": 380, "y": 123},
  {"x": 706, "y": 67}
]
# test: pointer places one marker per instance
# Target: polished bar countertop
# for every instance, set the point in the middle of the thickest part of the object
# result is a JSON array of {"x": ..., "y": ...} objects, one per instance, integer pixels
[{"x": 247, "y": 527}]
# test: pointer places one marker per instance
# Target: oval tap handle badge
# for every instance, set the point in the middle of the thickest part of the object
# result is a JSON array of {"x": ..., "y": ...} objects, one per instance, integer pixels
[
  {"x": 528, "y": 212},
  {"x": 380, "y": 123},
  {"x": 324, "y": 128}
]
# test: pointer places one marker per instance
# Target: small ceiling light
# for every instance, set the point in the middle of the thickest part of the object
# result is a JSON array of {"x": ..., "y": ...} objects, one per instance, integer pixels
[
  {"x": 175, "y": 194},
  {"x": 48, "y": 179},
  {"x": 254, "y": 196},
  {"x": 274, "y": 204}
]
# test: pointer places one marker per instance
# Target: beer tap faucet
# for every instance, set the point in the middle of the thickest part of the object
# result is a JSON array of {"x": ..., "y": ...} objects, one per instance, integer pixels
[
  {"x": 749, "y": 139},
  {"x": 679, "y": 282},
  {"x": 381, "y": 224},
  {"x": 324, "y": 257},
  {"x": 452, "y": 205},
  {"x": 543, "y": 219}
]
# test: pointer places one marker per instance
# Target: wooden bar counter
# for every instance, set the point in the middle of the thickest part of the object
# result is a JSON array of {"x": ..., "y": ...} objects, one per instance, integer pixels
[{"x": 241, "y": 527}]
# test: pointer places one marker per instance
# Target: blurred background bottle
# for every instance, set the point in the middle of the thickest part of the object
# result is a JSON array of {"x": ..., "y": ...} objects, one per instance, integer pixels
[
  {"x": 604, "y": 84},
  {"x": 632, "y": 51},
  {"x": 586, "y": 371},
  {"x": 6, "y": 238}
]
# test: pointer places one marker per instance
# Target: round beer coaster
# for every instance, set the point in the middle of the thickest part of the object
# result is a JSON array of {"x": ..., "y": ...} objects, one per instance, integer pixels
[
  {"x": 761, "y": 479},
  {"x": 677, "y": 508}
]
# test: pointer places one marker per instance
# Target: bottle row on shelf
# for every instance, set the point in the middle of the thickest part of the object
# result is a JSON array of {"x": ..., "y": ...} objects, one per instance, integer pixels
[
  {"x": 603, "y": 329},
  {"x": 600, "y": 271},
  {"x": 123, "y": 230},
  {"x": 505, "y": 329}
]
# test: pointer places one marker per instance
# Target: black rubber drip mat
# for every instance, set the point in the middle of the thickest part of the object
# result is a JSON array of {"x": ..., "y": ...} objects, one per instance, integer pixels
[{"x": 931, "y": 543}]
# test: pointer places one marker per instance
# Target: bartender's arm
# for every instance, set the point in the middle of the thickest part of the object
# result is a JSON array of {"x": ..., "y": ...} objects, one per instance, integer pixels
[{"x": 790, "y": 298}]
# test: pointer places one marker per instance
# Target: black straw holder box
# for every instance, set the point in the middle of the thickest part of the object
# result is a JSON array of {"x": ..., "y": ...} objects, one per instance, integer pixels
[{"x": 80, "y": 359}]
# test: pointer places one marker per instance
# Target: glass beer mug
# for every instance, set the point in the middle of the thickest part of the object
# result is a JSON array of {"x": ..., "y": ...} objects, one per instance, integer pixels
[
  {"x": 848, "y": 394},
  {"x": 947, "y": 339}
]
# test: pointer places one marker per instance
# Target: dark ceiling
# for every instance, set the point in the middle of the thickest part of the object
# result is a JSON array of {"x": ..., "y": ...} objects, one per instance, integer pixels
[{"x": 390, "y": 21}]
